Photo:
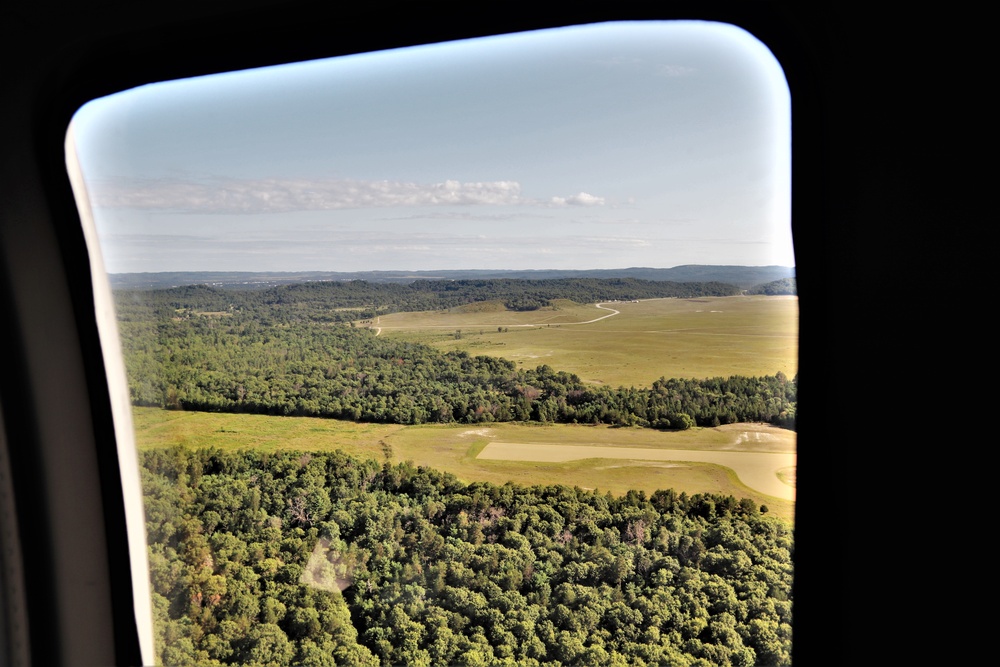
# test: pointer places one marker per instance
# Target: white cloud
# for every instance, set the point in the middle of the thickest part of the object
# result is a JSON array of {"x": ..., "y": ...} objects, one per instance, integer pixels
[
  {"x": 579, "y": 199},
  {"x": 280, "y": 196},
  {"x": 584, "y": 199}
]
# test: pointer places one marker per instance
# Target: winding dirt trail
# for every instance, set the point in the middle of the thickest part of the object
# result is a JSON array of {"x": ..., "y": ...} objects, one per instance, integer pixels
[{"x": 613, "y": 312}]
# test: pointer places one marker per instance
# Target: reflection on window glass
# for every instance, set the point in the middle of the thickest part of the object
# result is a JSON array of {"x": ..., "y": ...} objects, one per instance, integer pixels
[{"x": 479, "y": 353}]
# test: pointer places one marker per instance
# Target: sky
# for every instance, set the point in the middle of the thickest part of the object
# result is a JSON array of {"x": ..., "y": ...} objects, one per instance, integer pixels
[{"x": 614, "y": 145}]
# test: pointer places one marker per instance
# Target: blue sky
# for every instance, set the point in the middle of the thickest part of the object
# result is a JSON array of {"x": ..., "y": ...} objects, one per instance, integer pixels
[{"x": 605, "y": 146}]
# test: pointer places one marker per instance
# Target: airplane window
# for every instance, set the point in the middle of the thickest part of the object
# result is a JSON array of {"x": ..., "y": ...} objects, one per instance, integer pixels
[{"x": 479, "y": 352}]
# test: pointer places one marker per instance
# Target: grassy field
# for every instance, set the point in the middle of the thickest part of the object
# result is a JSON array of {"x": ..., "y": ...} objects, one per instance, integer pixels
[
  {"x": 645, "y": 340},
  {"x": 454, "y": 448},
  {"x": 683, "y": 338}
]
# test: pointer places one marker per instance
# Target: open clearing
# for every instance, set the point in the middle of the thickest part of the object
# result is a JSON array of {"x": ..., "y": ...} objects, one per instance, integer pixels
[
  {"x": 649, "y": 339},
  {"x": 456, "y": 448},
  {"x": 757, "y": 470}
]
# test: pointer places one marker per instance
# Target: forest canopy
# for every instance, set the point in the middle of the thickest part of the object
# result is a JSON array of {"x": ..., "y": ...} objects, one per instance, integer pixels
[{"x": 322, "y": 559}]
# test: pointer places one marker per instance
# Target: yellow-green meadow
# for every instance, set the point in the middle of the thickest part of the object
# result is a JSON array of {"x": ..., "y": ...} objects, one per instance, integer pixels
[
  {"x": 456, "y": 448},
  {"x": 645, "y": 340}
]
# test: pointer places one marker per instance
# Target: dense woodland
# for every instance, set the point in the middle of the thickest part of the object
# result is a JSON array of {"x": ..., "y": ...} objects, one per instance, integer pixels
[
  {"x": 285, "y": 351},
  {"x": 321, "y": 560}
]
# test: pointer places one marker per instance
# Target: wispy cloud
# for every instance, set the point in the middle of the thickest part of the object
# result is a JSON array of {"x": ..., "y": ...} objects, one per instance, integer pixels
[
  {"x": 615, "y": 241},
  {"x": 675, "y": 70},
  {"x": 579, "y": 199},
  {"x": 285, "y": 195}
]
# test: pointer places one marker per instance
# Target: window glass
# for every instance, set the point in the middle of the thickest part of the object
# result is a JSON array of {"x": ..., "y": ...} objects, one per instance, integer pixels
[{"x": 481, "y": 352}]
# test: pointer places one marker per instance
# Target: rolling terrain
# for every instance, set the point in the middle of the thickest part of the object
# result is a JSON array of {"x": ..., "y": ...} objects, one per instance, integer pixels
[
  {"x": 622, "y": 343},
  {"x": 649, "y": 339},
  {"x": 514, "y": 477}
]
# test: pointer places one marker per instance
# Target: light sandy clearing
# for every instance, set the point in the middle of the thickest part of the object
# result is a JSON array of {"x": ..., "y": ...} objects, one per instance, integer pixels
[
  {"x": 479, "y": 433},
  {"x": 758, "y": 470}
]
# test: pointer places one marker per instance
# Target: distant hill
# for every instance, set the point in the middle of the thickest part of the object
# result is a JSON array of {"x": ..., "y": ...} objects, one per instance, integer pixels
[{"x": 744, "y": 277}]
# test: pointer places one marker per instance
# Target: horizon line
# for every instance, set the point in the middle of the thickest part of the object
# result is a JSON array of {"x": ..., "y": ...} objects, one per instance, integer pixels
[{"x": 299, "y": 271}]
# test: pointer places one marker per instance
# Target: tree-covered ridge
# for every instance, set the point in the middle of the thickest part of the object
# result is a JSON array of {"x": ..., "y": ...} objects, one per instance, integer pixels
[
  {"x": 327, "y": 301},
  {"x": 783, "y": 287},
  {"x": 249, "y": 553},
  {"x": 238, "y": 364}
]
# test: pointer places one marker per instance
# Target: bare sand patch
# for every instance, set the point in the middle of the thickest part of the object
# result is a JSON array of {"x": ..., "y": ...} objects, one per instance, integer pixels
[
  {"x": 643, "y": 464},
  {"x": 758, "y": 470},
  {"x": 758, "y": 437},
  {"x": 479, "y": 432}
]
